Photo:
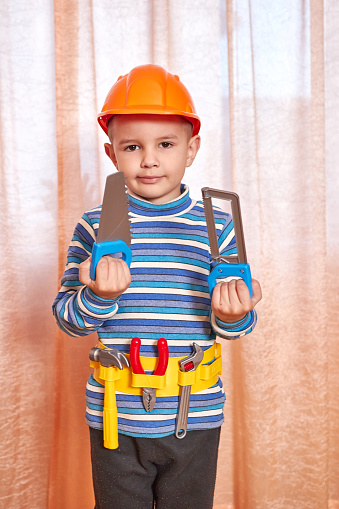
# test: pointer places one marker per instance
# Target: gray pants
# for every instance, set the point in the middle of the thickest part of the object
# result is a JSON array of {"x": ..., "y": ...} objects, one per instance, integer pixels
[{"x": 166, "y": 472}]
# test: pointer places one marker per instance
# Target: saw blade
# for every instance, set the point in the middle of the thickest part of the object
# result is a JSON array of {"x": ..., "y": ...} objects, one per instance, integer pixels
[
  {"x": 114, "y": 219},
  {"x": 207, "y": 195}
]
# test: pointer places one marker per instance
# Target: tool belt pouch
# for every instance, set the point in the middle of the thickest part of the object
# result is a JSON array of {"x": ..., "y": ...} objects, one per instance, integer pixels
[
  {"x": 208, "y": 371},
  {"x": 152, "y": 381},
  {"x": 110, "y": 374}
]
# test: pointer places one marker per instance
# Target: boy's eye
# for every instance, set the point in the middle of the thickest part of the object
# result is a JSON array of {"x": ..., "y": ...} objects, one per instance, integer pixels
[
  {"x": 131, "y": 148},
  {"x": 165, "y": 144}
]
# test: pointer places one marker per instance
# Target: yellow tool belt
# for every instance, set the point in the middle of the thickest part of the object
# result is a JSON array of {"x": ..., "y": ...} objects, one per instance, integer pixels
[{"x": 169, "y": 384}]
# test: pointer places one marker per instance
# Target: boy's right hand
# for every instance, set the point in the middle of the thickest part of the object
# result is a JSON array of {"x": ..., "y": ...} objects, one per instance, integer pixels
[{"x": 112, "y": 277}]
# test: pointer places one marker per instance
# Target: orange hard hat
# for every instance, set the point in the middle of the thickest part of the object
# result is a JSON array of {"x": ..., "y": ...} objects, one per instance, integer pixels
[{"x": 152, "y": 90}]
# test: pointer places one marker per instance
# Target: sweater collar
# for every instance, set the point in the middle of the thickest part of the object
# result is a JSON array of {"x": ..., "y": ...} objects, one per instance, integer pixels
[{"x": 140, "y": 207}]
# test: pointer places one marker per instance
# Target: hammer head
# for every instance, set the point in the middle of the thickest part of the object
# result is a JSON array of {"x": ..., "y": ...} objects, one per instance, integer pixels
[
  {"x": 108, "y": 357},
  {"x": 191, "y": 362}
]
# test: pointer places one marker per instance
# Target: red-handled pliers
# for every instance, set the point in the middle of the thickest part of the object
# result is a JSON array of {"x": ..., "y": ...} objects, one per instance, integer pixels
[{"x": 149, "y": 393}]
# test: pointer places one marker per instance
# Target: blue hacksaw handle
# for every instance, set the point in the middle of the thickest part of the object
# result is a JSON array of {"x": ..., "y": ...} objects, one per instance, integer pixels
[
  {"x": 101, "y": 249},
  {"x": 231, "y": 270}
]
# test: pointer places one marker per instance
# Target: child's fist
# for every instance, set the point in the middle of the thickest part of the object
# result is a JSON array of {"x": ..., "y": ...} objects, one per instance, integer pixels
[
  {"x": 231, "y": 300},
  {"x": 112, "y": 277}
]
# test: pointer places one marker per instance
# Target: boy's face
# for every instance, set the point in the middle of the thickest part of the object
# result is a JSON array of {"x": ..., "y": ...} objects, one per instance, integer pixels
[{"x": 153, "y": 151}]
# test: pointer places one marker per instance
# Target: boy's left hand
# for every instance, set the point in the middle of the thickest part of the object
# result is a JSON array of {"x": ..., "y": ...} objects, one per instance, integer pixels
[{"x": 231, "y": 300}]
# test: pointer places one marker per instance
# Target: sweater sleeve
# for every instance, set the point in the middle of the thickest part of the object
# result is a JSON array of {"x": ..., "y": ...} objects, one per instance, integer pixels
[
  {"x": 227, "y": 247},
  {"x": 78, "y": 311}
]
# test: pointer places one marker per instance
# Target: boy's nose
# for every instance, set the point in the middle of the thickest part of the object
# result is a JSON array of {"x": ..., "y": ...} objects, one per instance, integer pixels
[{"x": 149, "y": 159}]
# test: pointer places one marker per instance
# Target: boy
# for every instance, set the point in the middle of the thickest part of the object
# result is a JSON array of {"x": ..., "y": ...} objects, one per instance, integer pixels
[{"x": 153, "y": 130}]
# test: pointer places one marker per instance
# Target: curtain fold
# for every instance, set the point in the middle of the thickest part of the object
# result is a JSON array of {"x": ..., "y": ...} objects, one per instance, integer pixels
[{"x": 264, "y": 78}]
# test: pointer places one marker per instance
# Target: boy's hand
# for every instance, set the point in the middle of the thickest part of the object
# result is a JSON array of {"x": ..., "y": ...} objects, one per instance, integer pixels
[
  {"x": 231, "y": 301},
  {"x": 112, "y": 277}
]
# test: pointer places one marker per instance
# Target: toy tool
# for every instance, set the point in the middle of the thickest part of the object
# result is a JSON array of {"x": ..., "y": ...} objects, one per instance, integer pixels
[
  {"x": 187, "y": 364},
  {"x": 149, "y": 393},
  {"x": 114, "y": 234},
  {"x": 111, "y": 362},
  {"x": 228, "y": 267}
]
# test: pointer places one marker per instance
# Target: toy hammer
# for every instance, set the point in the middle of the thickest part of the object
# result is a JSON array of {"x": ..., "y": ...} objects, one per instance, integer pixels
[{"x": 110, "y": 359}]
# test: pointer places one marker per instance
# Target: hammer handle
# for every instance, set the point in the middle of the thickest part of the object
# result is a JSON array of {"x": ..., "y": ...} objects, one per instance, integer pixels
[{"x": 110, "y": 417}]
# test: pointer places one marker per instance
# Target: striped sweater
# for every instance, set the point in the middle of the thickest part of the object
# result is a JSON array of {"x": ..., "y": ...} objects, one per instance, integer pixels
[{"x": 168, "y": 297}]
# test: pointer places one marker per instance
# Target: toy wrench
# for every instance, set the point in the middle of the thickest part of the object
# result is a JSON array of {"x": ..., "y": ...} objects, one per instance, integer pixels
[
  {"x": 149, "y": 393},
  {"x": 228, "y": 267},
  {"x": 187, "y": 364}
]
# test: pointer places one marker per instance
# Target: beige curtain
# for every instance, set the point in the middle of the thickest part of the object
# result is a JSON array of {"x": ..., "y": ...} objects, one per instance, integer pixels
[{"x": 264, "y": 75}]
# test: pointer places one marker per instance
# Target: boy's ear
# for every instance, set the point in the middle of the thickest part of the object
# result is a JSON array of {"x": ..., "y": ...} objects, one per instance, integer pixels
[
  {"x": 193, "y": 147},
  {"x": 110, "y": 152}
]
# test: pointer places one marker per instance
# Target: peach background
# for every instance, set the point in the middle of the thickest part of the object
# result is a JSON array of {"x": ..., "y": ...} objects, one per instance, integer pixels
[{"x": 264, "y": 76}]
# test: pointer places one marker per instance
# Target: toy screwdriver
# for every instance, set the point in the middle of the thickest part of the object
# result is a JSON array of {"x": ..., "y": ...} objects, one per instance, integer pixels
[{"x": 228, "y": 267}]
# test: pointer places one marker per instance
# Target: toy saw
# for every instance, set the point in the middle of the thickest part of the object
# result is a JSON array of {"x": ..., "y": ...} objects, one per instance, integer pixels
[
  {"x": 114, "y": 234},
  {"x": 227, "y": 267}
]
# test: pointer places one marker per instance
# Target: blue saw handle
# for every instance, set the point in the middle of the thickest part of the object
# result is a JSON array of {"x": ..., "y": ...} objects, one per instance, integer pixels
[
  {"x": 101, "y": 249},
  {"x": 230, "y": 270}
]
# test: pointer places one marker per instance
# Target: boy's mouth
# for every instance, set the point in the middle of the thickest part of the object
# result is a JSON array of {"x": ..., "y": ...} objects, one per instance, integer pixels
[{"x": 149, "y": 179}]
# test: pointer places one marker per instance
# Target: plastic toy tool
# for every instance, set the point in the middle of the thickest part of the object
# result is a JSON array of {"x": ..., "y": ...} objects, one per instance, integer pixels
[
  {"x": 114, "y": 234},
  {"x": 228, "y": 267},
  {"x": 149, "y": 393}
]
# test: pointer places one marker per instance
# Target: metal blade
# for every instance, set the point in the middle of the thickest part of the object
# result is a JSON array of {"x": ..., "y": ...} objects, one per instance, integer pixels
[
  {"x": 148, "y": 398},
  {"x": 207, "y": 195},
  {"x": 114, "y": 220}
]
